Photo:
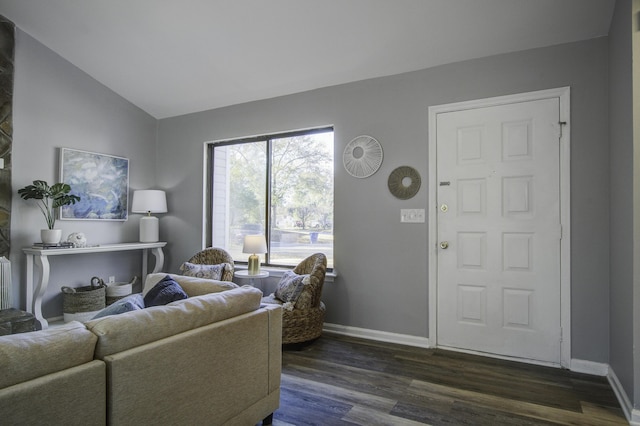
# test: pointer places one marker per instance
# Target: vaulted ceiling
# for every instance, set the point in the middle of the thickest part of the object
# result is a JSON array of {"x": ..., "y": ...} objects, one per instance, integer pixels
[{"x": 176, "y": 57}]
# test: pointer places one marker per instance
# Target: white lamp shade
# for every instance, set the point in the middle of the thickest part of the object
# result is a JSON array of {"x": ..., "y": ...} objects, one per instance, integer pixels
[
  {"x": 254, "y": 244},
  {"x": 149, "y": 201}
]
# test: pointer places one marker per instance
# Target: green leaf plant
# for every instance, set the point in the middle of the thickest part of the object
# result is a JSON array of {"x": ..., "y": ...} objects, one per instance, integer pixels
[{"x": 49, "y": 198}]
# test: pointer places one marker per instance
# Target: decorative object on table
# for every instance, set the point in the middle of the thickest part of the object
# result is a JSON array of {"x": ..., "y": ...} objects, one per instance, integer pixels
[
  {"x": 149, "y": 201},
  {"x": 83, "y": 303},
  {"x": 78, "y": 239},
  {"x": 215, "y": 256},
  {"x": 49, "y": 198},
  {"x": 254, "y": 244},
  {"x": 303, "y": 311},
  {"x": 6, "y": 296},
  {"x": 362, "y": 157},
  {"x": 116, "y": 291},
  {"x": 102, "y": 181},
  {"x": 404, "y": 182}
]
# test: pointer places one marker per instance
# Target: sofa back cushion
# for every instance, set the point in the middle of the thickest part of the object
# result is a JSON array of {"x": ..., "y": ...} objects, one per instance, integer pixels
[
  {"x": 193, "y": 286},
  {"x": 26, "y": 356},
  {"x": 121, "y": 332}
]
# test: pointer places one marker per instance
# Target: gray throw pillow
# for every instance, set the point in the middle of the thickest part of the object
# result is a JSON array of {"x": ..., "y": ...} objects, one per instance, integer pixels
[{"x": 133, "y": 302}]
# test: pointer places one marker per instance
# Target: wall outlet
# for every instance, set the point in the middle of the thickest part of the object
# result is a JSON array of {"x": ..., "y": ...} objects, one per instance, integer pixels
[
  {"x": 412, "y": 215},
  {"x": 112, "y": 279}
]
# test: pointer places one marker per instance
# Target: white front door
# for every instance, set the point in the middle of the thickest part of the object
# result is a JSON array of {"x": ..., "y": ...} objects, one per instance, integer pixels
[{"x": 499, "y": 230}]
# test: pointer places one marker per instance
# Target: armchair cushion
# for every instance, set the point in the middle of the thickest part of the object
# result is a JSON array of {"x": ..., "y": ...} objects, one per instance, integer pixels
[
  {"x": 212, "y": 272},
  {"x": 215, "y": 256},
  {"x": 290, "y": 287}
]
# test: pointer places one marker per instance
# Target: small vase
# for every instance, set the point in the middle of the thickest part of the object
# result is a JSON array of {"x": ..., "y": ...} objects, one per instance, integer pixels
[{"x": 51, "y": 236}]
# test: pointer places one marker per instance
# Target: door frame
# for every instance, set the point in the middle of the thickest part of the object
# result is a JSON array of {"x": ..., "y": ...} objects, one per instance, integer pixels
[{"x": 564, "y": 130}]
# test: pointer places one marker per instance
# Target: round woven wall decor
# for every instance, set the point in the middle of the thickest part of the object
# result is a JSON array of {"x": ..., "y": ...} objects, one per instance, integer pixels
[
  {"x": 404, "y": 182},
  {"x": 362, "y": 156}
]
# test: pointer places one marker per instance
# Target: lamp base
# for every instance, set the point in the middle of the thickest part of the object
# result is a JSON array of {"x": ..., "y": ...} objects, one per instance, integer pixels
[
  {"x": 254, "y": 264},
  {"x": 149, "y": 232}
]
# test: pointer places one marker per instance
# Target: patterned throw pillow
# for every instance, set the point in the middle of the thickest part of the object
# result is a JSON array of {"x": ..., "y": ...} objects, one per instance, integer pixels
[
  {"x": 166, "y": 291},
  {"x": 290, "y": 287},
  {"x": 212, "y": 272}
]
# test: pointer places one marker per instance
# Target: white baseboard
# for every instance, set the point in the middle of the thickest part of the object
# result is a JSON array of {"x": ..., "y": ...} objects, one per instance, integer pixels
[
  {"x": 381, "y": 336},
  {"x": 632, "y": 415},
  {"x": 589, "y": 367}
]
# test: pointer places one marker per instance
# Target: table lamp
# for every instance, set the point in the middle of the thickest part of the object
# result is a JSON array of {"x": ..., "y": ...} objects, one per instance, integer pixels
[
  {"x": 149, "y": 201},
  {"x": 254, "y": 244}
]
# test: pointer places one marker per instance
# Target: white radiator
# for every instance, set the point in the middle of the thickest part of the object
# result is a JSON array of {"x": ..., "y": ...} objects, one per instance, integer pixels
[{"x": 5, "y": 283}]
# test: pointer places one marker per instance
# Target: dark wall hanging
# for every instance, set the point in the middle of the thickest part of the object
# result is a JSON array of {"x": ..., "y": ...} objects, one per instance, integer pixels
[
  {"x": 6, "y": 130},
  {"x": 404, "y": 182}
]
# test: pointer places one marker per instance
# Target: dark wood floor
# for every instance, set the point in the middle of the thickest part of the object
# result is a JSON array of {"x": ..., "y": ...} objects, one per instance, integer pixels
[{"x": 339, "y": 380}]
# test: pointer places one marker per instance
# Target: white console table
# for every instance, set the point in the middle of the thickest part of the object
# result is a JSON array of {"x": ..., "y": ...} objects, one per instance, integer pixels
[{"x": 40, "y": 257}]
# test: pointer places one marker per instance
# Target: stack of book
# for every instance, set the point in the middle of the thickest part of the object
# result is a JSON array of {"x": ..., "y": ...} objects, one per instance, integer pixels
[{"x": 53, "y": 246}]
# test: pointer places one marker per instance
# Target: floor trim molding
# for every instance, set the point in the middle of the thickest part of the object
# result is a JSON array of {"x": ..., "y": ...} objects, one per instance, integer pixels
[
  {"x": 589, "y": 367},
  {"x": 632, "y": 415},
  {"x": 382, "y": 336}
]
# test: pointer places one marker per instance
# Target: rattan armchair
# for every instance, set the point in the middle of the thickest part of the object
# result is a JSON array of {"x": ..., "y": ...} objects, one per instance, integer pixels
[
  {"x": 304, "y": 322},
  {"x": 215, "y": 256}
]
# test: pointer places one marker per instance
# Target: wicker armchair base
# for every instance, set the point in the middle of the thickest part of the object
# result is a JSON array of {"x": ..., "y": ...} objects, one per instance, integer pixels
[{"x": 301, "y": 325}]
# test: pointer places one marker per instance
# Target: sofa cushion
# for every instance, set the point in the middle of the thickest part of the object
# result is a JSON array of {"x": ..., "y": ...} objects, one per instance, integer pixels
[
  {"x": 212, "y": 272},
  {"x": 128, "y": 303},
  {"x": 167, "y": 290},
  {"x": 117, "y": 333},
  {"x": 29, "y": 355},
  {"x": 193, "y": 286}
]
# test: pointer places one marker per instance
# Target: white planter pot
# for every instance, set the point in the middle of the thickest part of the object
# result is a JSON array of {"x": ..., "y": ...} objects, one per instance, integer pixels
[{"x": 51, "y": 236}]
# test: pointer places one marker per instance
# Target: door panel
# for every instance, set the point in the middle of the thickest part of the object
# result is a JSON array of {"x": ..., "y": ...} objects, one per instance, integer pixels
[{"x": 498, "y": 279}]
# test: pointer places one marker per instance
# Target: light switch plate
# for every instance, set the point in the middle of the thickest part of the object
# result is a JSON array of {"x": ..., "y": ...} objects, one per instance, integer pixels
[{"x": 412, "y": 215}]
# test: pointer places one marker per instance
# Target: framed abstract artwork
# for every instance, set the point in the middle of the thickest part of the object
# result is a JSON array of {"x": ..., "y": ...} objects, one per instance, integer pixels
[{"x": 101, "y": 181}]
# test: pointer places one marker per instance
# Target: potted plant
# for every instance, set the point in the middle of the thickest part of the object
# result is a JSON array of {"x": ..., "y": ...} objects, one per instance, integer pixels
[{"x": 49, "y": 198}]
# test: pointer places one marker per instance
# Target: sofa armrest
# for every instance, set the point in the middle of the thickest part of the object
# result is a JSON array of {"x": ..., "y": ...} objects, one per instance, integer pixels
[
  {"x": 227, "y": 372},
  {"x": 275, "y": 345}
]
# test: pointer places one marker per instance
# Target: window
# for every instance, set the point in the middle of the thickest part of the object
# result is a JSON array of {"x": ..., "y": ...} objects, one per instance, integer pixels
[{"x": 277, "y": 185}]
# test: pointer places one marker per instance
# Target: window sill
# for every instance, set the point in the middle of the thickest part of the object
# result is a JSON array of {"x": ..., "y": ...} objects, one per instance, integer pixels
[{"x": 277, "y": 272}]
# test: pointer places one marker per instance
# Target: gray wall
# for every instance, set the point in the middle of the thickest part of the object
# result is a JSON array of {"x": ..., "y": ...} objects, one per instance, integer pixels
[
  {"x": 57, "y": 105},
  {"x": 382, "y": 263},
  {"x": 621, "y": 195}
]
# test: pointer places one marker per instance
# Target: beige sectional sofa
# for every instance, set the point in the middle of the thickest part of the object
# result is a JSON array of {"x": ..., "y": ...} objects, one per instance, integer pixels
[{"x": 211, "y": 359}]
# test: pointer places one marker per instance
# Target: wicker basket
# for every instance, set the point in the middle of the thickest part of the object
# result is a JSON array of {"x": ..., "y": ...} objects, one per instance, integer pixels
[
  {"x": 116, "y": 291},
  {"x": 82, "y": 303}
]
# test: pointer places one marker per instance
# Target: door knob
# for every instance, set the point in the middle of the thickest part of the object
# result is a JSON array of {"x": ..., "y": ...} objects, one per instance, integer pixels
[{"x": 444, "y": 245}]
